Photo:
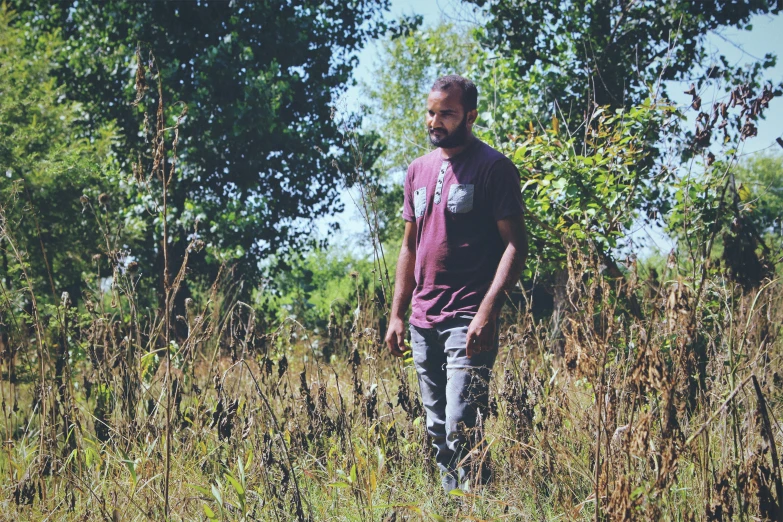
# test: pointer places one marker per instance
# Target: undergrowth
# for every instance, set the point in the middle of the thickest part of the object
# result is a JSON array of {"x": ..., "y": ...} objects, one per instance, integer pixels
[{"x": 664, "y": 409}]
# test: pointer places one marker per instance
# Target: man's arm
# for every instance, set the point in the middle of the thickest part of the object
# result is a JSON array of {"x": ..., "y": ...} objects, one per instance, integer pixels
[
  {"x": 481, "y": 332},
  {"x": 403, "y": 290}
]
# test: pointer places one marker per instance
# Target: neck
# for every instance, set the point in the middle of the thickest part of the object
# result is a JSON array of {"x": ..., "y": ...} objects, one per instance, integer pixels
[{"x": 450, "y": 153}]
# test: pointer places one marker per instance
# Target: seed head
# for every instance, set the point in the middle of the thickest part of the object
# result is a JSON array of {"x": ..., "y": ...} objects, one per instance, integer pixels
[{"x": 197, "y": 245}]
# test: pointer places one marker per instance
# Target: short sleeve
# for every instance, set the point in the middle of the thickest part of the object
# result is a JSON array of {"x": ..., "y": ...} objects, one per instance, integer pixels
[
  {"x": 505, "y": 190},
  {"x": 407, "y": 207}
]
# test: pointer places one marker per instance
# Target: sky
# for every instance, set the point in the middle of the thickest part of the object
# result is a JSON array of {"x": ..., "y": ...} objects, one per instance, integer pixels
[{"x": 737, "y": 45}]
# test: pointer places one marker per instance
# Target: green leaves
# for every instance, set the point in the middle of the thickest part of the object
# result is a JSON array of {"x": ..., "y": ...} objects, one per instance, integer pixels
[
  {"x": 45, "y": 165},
  {"x": 237, "y": 480},
  {"x": 760, "y": 188},
  {"x": 217, "y": 494},
  {"x": 402, "y": 79},
  {"x": 131, "y": 465},
  {"x": 253, "y": 184},
  {"x": 208, "y": 512},
  {"x": 595, "y": 194},
  {"x": 578, "y": 54}
]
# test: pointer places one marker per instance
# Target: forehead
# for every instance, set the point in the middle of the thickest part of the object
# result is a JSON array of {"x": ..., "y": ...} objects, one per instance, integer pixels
[{"x": 451, "y": 99}]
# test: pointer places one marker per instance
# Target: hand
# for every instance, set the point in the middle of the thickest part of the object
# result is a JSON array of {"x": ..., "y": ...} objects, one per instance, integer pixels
[
  {"x": 481, "y": 334},
  {"x": 395, "y": 337}
]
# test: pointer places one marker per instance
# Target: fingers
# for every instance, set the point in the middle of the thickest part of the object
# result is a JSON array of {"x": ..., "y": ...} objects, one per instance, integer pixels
[
  {"x": 478, "y": 341},
  {"x": 488, "y": 343},
  {"x": 396, "y": 342},
  {"x": 473, "y": 343},
  {"x": 392, "y": 343},
  {"x": 401, "y": 344}
]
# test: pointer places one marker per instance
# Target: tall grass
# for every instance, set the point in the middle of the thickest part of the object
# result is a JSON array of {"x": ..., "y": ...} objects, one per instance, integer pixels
[{"x": 666, "y": 413}]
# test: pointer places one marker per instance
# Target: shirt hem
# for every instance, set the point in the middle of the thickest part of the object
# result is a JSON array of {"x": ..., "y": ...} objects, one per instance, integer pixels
[{"x": 441, "y": 319}]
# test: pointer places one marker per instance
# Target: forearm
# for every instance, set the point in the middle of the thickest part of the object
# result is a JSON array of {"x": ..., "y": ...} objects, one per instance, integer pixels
[
  {"x": 404, "y": 283},
  {"x": 508, "y": 273}
]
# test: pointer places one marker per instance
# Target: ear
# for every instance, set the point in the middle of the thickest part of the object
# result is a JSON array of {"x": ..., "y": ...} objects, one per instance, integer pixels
[{"x": 472, "y": 116}]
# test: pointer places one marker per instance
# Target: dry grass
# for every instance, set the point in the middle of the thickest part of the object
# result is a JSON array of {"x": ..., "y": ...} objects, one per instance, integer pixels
[
  {"x": 664, "y": 411},
  {"x": 673, "y": 416}
]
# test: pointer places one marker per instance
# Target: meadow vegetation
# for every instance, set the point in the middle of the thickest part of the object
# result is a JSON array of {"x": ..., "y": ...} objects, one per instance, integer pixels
[{"x": 627, "y": 387}]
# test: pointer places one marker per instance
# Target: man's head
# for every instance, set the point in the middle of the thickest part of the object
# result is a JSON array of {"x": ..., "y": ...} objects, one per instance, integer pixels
[{"x": 451, "y": 111}]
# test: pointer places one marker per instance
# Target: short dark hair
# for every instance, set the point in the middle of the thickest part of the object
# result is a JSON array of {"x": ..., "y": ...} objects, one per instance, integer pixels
[{"x": 468, "y": 88}]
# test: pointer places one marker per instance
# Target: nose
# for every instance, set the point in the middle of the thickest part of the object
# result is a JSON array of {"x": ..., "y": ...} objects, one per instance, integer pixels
[{"x": 433, "y": 121}]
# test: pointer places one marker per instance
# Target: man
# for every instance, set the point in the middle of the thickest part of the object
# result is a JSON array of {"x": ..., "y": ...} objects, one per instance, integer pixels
[{"x": 464, "y": 245}]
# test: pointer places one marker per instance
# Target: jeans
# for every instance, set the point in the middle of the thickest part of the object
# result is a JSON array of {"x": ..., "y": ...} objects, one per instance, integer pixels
[{"x": 455, "y": 393}]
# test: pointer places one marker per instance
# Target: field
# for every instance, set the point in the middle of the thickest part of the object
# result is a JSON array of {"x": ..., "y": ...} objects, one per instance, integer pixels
[
  {"x": 172, "y": 384},
  {"x": 669, "y": 415}
]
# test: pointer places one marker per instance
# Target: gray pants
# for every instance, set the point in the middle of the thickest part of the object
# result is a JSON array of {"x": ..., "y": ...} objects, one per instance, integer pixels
[{"x": 454, "y": 390}]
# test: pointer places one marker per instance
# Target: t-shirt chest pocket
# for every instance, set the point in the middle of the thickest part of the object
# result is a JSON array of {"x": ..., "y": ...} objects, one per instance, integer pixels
[
  {"x": 460, "y": 199},
  {"x": 420, "y": 201}
]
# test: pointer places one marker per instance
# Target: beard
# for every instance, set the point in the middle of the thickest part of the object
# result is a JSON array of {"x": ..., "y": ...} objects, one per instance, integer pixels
[{"x": 453, "y": 139}]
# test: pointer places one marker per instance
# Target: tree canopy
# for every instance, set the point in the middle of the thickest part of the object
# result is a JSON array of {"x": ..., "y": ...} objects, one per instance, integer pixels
[
  {"x": 762, "y": 190},
  {"x": 606, "y": 53},
  {"x": 583, "y": 111},
  {"x": 259, "y": 153},
  {"x": 408, "y": 65},
  {"x": 46, "y": 166}
]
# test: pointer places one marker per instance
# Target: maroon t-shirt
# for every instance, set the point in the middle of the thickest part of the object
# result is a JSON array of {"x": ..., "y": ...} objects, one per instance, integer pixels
[{"x": 455, "y": 204}]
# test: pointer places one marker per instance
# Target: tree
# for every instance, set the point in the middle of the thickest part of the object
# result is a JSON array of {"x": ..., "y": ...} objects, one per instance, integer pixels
[
  {"x": 761, "y": 189},
  {"x": 572, "y": 61},
  {"x": 588, "y": 53},
  {"x": 48, "y": 172},
  {"x": 408, "y": 65},
  {"x": 259, "y": 152},
  {"x": 588, "y": 158}
]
